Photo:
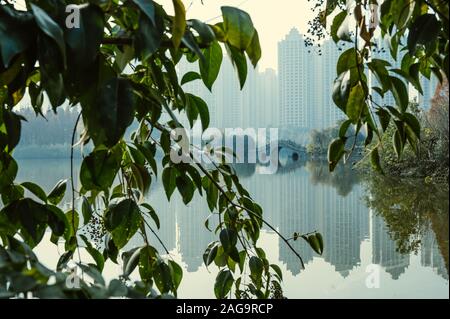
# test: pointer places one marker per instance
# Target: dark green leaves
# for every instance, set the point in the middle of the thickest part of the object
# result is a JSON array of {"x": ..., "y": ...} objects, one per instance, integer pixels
[
  {"x": 400, "y": 93},
  {"x": 147, "y": 7},
  {"x": 196, "y": 106},
  {"x": 57, "y": 193},
  {"x": 228, "y": 239},
  {"x": 36, "y": 190},
  {"x": 84, "y": 41},
  {"x": 86, "y": 210},
  {"x": 16, "y": 31},
  {"x": 210, "y": 65},
  {"x": 169, "y": 176},
  {"x": 256, "y": 266},
  {"x": 50, "y": 28},
  {"x": 111, "y": 113},
  {"x": 122, "y": 219},
  {"x": 10, "y": 135},
  {"x": 99, "y": 169},
  {"x": 149, "y": 35},
  {"x": 254, "y": 50},
  {"x": 238, "y": 27},
  {"x": 224, "y": 282},
  {"x": 210, "y": 253},
  {"x": 423, "y": 31},
  {"x": 239, "y": 62},
  {"x": 189, "y": 77}
]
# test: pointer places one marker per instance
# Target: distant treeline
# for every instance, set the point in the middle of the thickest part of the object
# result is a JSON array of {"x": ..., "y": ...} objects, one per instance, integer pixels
[{"x": 47, "y": 137}]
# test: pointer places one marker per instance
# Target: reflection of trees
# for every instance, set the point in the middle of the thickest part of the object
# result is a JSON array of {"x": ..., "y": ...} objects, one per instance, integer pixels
[
  {"x": 342, "y": 179},
  {"x": 410, "y": 210}
]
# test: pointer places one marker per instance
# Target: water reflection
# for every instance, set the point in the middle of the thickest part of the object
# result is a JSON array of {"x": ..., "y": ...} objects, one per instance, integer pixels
[{"x": 400, "y": 226}]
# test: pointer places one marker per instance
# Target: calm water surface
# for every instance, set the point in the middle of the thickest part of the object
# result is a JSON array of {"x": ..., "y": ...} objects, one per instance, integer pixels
[{"x": 397, "y": 231}]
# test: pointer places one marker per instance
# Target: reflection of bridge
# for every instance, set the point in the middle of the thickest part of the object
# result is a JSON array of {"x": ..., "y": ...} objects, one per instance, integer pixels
[{"x": 286, "y": 149}]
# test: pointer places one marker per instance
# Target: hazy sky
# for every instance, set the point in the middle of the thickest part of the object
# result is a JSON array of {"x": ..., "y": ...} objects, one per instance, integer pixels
[{"x": 272, "y": 18}]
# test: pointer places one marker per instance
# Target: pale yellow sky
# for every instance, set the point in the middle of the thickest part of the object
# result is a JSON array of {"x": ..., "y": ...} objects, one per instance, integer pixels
[{"x": 272, "y": 18}]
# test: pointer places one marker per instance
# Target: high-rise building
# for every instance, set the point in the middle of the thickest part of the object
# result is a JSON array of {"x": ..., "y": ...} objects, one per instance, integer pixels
[
  {"x": 429, "y": 89},
  {"x": 306, "y": 76},
  {"x": 293, "y": 81}
]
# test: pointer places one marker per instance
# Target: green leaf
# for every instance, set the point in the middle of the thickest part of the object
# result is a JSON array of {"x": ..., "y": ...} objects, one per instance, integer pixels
[
  {"x": 84, "y": 41},
  {"x": 131, "y": 259},
  {"x": 86, "y": 210},
  {"x": 238, "y": 27},
  {"x": 228, "y": 239},
  {"x": 423, "y": 31},
  {"x": 375, "y": 160},
  {"x": 176, "y": 273},
  {"x": 210, "y": 253},
  {"x": 111, "y": 113},
  {"x": 205, "y": 32},
  {"x": 201, "y": 108},
  {"x": 378, "y": 68},
  {"x": 16, "y": 32},
  {"x": 346, "y": 61},
  {"x": 186, "y": 188},
  {"x": 13, "y": 126},
  {"x": 153, "y": 214},
  {"x": 189, "y": 77},
  {"x": 179, "y": 23},
  {"x": 256, "y": 266},
  {"x": 163, "y": 277},
  {"x": 64, "y": 259},
  {"x": 57, "y": 221},
  {"x": 169, "y": 176},
  {"x": 210, "y": 65},
  {"x": 384, "y": 118},
  {"x": 277, "y": 270},
  {"x": 99, "y": 169},
  {"x": 239, "y": 62},
  {"x": 147, "y": 7},
  {"x": 36, "y": 190},
  {"x": 316, "y": 243},
  {"x": 397, "y": 142},
  {"x": 50, "y": 28},
  {"x": 148, "y": 36},
  {"x": 57, "y": 193},
  {"x": 336, "y": 151},
  {"x": 122, "y": 219},
  {"x": 356, "y": 103},
  {"x": 413, "y": 123},
  {"x": 400, "y": 93},
  {"x": 96, "y": 255},
  {"x": 223, "y": 284},
  {"x": 337, "y": 23},
  {"x": 254, "y": 49}
]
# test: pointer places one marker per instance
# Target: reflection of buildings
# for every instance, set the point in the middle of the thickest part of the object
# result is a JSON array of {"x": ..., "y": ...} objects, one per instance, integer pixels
[
  {"x": 345, "y": 223},
  {"x": 193, "y": 236},
  {"x": 431, "y": 255},
  {"x": 291, "y": 202},
  {"x": 385, "y": 249}
]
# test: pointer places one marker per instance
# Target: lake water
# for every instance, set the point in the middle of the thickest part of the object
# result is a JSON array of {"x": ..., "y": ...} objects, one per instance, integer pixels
[{"x": 383, "y": 238}]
